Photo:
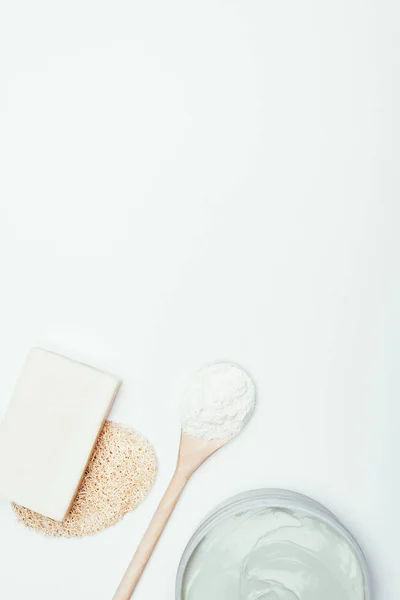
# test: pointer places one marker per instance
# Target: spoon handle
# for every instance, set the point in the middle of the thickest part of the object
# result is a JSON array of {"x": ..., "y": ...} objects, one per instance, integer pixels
[{"x": 152, "y": 535}]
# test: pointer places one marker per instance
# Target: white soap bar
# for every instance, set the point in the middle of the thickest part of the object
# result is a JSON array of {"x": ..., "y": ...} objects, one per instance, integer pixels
[{"x": 49, "y": 431}]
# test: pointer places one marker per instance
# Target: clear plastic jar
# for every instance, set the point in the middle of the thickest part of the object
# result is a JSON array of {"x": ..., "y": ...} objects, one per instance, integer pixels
[{"x": 270, "y": 498}]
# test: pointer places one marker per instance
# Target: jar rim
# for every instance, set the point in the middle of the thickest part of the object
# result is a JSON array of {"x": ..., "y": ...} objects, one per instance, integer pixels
[{"x": 270, "y": 498}]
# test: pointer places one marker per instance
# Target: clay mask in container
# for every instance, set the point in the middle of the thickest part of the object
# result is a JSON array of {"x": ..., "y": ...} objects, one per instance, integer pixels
[{"x": 272, "y": 545}]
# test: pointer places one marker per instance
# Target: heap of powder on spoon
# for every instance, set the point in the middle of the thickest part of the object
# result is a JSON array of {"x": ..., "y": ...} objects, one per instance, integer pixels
[{"x": 218, "y": 402}]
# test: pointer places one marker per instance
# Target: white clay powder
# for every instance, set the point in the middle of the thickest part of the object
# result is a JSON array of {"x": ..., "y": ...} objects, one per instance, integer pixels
[{"x": 218, "y": 402}]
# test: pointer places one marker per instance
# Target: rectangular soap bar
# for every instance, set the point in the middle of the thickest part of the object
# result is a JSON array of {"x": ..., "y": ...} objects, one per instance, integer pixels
[{"x": 49, "y": 431}]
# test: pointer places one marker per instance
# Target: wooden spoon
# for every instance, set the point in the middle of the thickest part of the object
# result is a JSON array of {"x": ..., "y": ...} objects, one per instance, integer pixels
[{"x": 193, "y": 452}]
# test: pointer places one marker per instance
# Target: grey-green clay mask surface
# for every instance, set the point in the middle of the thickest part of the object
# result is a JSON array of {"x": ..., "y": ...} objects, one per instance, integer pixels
[{"x": 273, "y": 554}]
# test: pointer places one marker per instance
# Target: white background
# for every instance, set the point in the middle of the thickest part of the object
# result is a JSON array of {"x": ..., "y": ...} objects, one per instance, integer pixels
[{"x": 183, "y": 182}]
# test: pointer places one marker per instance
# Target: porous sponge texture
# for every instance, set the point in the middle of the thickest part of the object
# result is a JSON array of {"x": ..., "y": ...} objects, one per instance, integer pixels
[{"x": 119, "y": 475}]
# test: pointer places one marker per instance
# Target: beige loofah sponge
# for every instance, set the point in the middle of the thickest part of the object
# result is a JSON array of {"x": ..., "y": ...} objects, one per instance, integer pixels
[{"x": 119, "y": 475}]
